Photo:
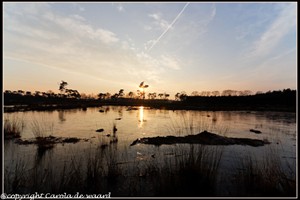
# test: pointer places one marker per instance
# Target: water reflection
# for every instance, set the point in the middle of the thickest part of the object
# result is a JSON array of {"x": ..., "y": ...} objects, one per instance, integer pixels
[
  {"x": 141, "y": 116},
  {"x": 61, "y": 116}
]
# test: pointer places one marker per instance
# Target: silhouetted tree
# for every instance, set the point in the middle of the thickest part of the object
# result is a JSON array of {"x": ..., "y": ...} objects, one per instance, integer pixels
[
  {"x": 195, "y": 93},
  {"x": 177, "y": 96},
  {"x": 215, "y": 93},
  {"x": 142, "y": 91},
  {"x": 245, "y": 93},
  {"x": 72, "y": 93},
  {"x": 121, "y": 93},
  {"x": 50, "y": 93},
  {"x": 161, "y": 95},
  {"x": 37, "y": 93},
  {"x": 152, "y": 95},
  {"x": 83, "y": 96},
  {"x": 130, "y": 94},
  {"x": 182, "y": 96},
  {"x": 101, "y": 96},
  {"x": 229, "y": 93},
  {"x": 166, "y": 95},
  {"x": 62, "y": 86},
  {"x": 115, "y": 96},
  {"x": 21, "y": 92},
  {"x": 205, "y": 93},
  {"x": 108, "y": 95}
]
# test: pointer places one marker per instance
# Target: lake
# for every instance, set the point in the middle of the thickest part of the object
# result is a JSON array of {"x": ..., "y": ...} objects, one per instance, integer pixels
[{"x": 131, "y": 123}]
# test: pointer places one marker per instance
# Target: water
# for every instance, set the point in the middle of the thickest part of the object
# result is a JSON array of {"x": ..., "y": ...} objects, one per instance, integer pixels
[{"x": 277, "y": 127}]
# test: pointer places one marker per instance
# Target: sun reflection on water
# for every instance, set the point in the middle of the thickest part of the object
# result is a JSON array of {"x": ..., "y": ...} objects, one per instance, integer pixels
[{"x": 141, "y": 116}]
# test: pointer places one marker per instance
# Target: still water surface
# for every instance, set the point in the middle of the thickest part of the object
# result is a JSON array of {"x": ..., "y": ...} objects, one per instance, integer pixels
[
  {"x": 144, "y": 122},
  {"x": 132, "y": 123}
]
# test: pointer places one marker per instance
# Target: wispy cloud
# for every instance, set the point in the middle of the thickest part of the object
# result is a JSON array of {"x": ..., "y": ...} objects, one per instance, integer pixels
[
  {"x": 281, "y": 26},
  {"x": 87, "y": 46},
  {"x": 189, "y": 29},
  {"x": 70, "y": 43},
  {"x": 158, "y": 21},
  {"x": 169, "y": 26},
  {"x": 170, "y": 62},
  {"x": 76, "y": 26}
]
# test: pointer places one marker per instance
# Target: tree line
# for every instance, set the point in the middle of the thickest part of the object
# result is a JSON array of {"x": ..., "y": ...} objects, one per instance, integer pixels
[{"x": 68, "y": 93}]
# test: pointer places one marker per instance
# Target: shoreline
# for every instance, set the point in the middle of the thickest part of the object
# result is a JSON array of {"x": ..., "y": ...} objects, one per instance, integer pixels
[{"x": 164, "y": 106}]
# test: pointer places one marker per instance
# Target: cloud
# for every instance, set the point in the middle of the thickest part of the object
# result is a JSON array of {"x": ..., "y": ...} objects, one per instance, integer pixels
[
  {"x": 282, "y": 25},
  {"x": 78, "y": 17},
  {"x": 158, "y": 21},
  {"x": 169, "y": 62},
  {"x": 185, "y": 30},
  {"x": 38, "y": 21},
  {"x": 78, "y": 27},
  {"x": 148, "y": 44},
  {"x": 68, "y": 43}
]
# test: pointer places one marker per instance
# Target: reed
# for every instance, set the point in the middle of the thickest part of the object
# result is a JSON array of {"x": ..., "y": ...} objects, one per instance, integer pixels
[
  {"x": 13, "y": 127},
  {"x": 266, "y": 177},
  {"x": 43, "y": 131}
]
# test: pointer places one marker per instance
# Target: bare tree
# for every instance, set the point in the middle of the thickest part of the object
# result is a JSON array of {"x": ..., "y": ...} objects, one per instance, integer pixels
[
  {"x": 62, "y": 86},
  {"x": 130, "y": 94},
  {"x": 215, "y": 93},
  {"x": 195, "y": 93},
  {"x": 161, "y": 95},
  {"x": 121, "y": 93},
  {"x": 142, "y": 89}
]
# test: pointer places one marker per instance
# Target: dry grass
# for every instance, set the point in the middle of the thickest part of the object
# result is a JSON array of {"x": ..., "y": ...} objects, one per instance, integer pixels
[
  {"x": 41, "y": 130},
  {"x": 267, "y": 177},
  {"x": 189, "y": 170},
  {"x": 13, "y": 127}
]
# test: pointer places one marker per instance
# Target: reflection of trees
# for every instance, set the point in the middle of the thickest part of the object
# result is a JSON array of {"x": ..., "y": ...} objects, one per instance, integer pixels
[
  {"x": 227, "y": 116},
  {"x": 120, "y": 111},
  {"x": 214, "y": 117},
  {"x": 61, "y": 116},
  {"x": 40, "y": 156}
]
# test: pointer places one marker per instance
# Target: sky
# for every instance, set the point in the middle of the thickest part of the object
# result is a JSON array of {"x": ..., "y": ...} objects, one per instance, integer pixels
[{"x": 172, "y": 47}]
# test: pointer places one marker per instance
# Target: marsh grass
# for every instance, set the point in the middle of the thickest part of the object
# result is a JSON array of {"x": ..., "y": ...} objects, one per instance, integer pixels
[
  {"x": 43, "y": 133},
  {"x": 266, "y": 176},
  {"x": 15, "y": 176},
  {"x": 189, "y": 124},
  {"x": 190, "y": 170},
  {"x": 13, "y": 127}
]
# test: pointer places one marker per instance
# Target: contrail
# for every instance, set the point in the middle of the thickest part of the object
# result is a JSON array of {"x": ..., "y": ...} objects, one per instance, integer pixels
[{"x": 173, "y": 22}]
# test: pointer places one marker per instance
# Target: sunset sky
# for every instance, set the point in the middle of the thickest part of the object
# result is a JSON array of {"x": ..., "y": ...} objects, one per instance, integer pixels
[{"x": 173, "y": 47}]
